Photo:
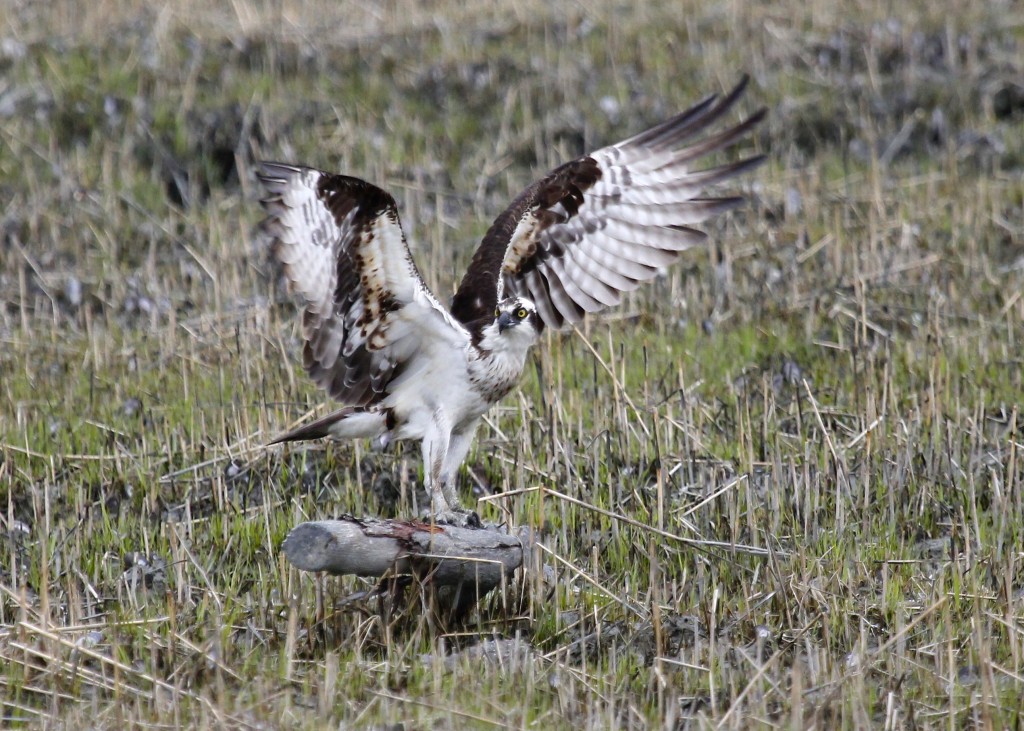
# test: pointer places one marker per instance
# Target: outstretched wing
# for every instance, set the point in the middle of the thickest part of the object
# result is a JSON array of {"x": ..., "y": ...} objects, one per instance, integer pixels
[
  {"x": 368, "y": 311},
  {"x": 601, "y": 225}
]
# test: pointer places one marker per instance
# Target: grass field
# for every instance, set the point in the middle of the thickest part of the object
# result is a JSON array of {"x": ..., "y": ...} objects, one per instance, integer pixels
[{"x": 834, "y": 390}]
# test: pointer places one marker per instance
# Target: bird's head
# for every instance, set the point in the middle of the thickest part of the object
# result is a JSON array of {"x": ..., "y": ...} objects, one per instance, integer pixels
[{"x": 515, "y": 323}]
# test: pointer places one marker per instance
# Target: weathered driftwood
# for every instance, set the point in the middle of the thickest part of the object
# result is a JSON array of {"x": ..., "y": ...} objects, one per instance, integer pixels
[{"x": 439, "y": 555}]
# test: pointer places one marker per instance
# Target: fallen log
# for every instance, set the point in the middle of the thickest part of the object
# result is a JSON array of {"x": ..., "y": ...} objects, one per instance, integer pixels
[{"x": 461, "y": 565}]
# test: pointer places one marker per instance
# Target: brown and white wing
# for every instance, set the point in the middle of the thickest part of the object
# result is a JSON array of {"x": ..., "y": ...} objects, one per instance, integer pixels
[
  {"x": 367, "y": 310},
  {"x": 601, "y": 225}
]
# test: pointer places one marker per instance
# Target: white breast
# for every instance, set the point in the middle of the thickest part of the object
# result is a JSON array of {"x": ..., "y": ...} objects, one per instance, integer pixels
[{"x": 495, "y": 373}]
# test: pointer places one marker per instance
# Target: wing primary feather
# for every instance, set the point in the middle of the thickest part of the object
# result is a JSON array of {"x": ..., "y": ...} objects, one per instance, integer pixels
[
  {"x": 567, "y": 308},
  {"x": 541, "y": 297},
  {"x": 689, "y": 122},
  {"x": 594, "y": 287},
  {"x": 596, "y": 264},
  {"x": 699, "y": 149},
  {"x": 663, "y": 134},
  {"x": 693, "y": 184}
]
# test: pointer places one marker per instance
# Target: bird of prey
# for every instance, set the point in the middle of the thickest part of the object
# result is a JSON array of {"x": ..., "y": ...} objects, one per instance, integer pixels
[{"x": 405, "y": 367}]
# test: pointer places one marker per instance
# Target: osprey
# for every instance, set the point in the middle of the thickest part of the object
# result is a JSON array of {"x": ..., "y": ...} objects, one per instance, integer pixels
[{"x": 377, "y": 339}]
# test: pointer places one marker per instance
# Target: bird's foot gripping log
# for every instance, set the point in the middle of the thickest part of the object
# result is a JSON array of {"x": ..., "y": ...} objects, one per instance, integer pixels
[{"x": 460, "y": 564}]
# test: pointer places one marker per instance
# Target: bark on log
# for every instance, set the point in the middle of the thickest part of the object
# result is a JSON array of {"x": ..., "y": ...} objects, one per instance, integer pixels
[{"x": 441, "y": 555}]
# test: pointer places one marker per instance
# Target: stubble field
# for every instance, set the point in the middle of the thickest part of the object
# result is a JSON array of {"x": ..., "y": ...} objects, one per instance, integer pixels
[{"x": 779, "y": 487}]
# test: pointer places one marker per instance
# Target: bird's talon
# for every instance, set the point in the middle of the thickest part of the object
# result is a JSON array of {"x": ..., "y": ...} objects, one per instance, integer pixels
[{"x": 459, "y": 518}]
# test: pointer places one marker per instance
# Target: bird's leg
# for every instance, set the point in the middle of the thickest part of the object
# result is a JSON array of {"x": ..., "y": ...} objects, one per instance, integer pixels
[
  {"x": 458, "y": 448},
  {"x": 443, "y": 452},
  {"x": 435, "y": 447}
]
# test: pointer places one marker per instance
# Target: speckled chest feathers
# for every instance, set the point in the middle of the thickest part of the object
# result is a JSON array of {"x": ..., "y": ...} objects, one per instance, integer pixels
[{"x": 497, "y": 360}]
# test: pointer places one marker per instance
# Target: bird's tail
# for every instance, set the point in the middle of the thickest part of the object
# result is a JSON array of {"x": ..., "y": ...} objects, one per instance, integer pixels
[{"x": 347, "y": 423}]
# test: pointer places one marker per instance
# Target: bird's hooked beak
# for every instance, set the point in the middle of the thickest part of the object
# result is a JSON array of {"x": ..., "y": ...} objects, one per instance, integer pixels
[{"x": 505, "y": 321}]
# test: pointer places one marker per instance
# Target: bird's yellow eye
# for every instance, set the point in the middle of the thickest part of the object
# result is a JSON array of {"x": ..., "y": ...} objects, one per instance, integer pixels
[
  {"x": 497, "y": 311},
  {"x": 521, "y": 313}
]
